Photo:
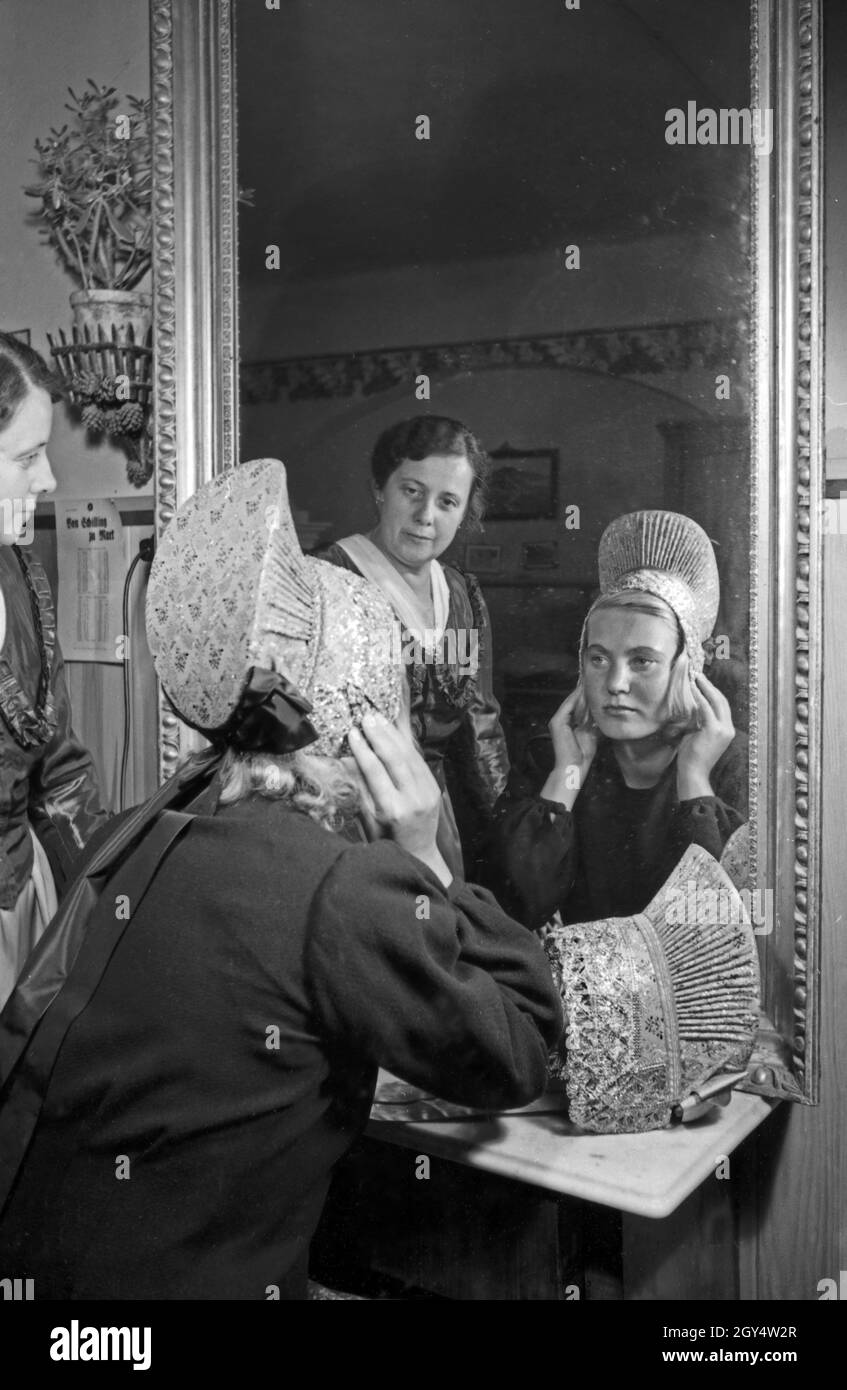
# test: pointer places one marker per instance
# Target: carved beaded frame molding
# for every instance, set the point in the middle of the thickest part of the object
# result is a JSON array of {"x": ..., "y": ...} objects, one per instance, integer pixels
[
  {"x": 196, "y": 421},
  {"x": 787, "y": 481},
  {"x": 194, "y": 267}
]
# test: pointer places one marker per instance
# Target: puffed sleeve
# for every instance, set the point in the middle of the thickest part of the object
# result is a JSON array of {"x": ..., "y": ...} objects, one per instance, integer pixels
[
  {"x": 478, "y": 748},
  {"x": 64, "y": 796},
  {"x": 710, "y": 820},
  {"x": 530, "y": 857},
  {"x": 438, "y": 986}
]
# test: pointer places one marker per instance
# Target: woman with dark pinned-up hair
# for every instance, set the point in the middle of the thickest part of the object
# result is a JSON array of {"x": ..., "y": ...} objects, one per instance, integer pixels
[
  {"x": 429, "y": 477},
  {"x": 49, "y": 799}
]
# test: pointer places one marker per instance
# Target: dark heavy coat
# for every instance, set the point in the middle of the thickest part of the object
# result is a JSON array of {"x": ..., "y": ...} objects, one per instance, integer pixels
[{"x": 228, "y": 1056}]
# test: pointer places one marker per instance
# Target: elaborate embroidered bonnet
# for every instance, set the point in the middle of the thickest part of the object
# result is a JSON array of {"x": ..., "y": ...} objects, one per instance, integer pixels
[
  {"x": 240, "y": 620},
  {"x": 670, "y": 556},
  {"x": 657, "y": 1003}
]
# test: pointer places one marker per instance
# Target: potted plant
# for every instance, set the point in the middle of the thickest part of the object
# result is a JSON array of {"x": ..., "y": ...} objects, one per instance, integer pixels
[{"x": 95, "y": 196}]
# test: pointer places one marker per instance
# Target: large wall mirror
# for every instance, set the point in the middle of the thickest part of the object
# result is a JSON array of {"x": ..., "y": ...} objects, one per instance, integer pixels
[{"x": 492, "y": 208}]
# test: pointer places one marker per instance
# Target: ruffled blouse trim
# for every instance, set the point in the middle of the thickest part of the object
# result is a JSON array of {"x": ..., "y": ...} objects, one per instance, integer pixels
[{"x": 32, "y": 727}]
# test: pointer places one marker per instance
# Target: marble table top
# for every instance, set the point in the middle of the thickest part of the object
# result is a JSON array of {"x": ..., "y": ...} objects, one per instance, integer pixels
[{"x": 645, "y": 1174}]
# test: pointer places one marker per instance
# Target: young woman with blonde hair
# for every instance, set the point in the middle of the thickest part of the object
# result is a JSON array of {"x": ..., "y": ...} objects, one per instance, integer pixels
[{"x": 646, "y": 758}]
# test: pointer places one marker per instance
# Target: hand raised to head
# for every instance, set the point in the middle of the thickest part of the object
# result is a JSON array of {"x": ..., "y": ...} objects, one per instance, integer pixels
[
  {"x": 574, "y": 750},
  {"x": 573, "y": 747},
  {"x": 406, "y": 797},
  {"x": 699, "y": 751}
]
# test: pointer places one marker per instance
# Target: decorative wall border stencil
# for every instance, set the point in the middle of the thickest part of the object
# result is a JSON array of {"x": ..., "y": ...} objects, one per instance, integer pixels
[{"x": 621, "y": 352}]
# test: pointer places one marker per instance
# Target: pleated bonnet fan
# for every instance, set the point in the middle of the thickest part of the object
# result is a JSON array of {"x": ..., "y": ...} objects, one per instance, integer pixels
[
  {"x": 230, "y": 590},
  {"x": 656, "y": 1003},
  {"x": 669, "y": 556}
]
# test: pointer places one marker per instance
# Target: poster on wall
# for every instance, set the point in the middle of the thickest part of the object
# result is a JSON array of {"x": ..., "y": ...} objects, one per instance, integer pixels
[{"x": 91, "y": 560}]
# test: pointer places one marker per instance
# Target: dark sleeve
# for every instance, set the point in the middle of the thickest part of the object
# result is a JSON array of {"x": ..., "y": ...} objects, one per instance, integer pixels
[
  {"x": 730, "y": 777},
  {"x": 710, "y": 820},
  {"x": 335, "y": 555},
  {"x": 530, "y": 857},
  {"x": 478, "y": 748},
  {"x": 438, "y": 986},
  {"x": 64, "y": 796}
]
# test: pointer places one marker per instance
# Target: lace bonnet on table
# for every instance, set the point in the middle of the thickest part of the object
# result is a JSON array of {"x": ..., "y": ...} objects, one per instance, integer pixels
[{"x": 656, "y": 1003}]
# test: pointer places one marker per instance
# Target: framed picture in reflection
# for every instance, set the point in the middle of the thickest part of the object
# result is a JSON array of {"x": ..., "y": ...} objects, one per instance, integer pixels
[
  {"x": 524, "y": 484},
  {"x": 540, "y": 555},
  {"x": 483, "y": 559}
]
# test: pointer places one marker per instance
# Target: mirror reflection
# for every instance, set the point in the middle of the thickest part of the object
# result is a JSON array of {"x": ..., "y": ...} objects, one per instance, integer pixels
[{"x": 488, "y": 218}]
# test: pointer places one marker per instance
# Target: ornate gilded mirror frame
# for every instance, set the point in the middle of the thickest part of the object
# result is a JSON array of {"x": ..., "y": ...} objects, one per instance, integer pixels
[
  {"x": 192, "y": 83},
  {"x": 196, "y": 336}
]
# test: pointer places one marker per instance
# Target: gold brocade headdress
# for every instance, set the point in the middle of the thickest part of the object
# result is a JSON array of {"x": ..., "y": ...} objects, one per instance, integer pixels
[
  {"x": 670, "y": 556},
  {"x": 256, "y": 644},
  {"x": 656, "y": 1003}
]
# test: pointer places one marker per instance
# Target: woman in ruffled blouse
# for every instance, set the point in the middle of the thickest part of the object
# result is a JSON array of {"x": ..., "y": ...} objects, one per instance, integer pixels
[
  {"x": 429, "y": 474},
  {"x": 47, "y": 780}
]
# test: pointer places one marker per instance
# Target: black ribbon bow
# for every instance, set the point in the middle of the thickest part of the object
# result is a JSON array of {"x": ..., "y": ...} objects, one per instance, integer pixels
[{"x": 271, "y": 716}]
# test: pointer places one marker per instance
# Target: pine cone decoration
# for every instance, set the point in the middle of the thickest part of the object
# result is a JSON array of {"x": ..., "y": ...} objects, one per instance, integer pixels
[
  {"x": 85, "y": 385},
  {"x": 129, "y": 418},
  {"x": 106, "y": 391},
  {"x": 94, "y": 419},
  {"x": 139, "y": 472}
]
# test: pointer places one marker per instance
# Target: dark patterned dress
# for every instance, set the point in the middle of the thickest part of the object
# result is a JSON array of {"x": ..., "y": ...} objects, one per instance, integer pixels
[
  {"x": 47, "y": 779},
  {"x": 456, "y": 720}
]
